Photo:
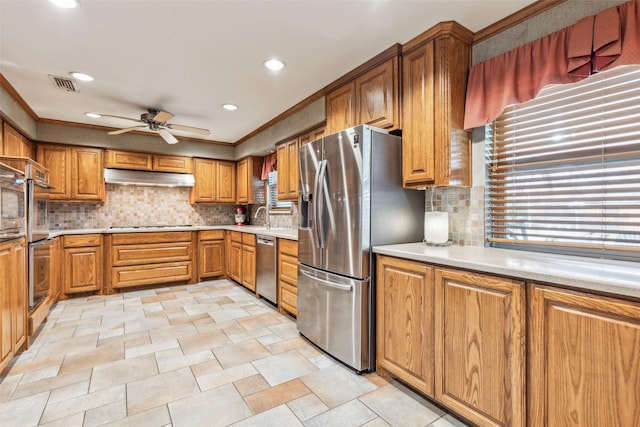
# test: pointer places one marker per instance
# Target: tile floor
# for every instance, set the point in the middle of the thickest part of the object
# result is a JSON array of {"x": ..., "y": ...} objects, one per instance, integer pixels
[{"x": 209, "y": 354}]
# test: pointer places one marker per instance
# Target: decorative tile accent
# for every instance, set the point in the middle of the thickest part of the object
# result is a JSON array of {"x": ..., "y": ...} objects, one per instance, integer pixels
[{"x": 466, "y": 212}]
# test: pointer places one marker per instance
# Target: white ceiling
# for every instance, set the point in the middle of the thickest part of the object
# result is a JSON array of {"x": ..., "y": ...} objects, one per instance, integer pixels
[{"x": 190, "y": 57}]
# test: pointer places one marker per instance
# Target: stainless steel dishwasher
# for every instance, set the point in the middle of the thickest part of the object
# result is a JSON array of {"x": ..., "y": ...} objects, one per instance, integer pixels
[{"x": 266, "y": 268}]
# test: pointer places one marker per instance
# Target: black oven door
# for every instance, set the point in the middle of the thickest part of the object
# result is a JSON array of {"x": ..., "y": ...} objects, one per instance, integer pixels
[{"x": 39, "y": 271}]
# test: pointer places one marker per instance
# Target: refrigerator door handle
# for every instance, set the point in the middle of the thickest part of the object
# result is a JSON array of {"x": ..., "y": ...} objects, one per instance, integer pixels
[
  {"x": 347, "y": 288},
  {"x": 316, "y": 193},
  {"x": 320, "y": 183}
]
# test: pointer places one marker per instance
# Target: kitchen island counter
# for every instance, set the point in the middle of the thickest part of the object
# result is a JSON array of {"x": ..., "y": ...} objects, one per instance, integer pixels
[{"x": 620, "y": 278}]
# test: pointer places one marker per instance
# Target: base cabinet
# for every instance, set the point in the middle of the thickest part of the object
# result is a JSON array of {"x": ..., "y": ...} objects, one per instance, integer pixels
[
  {"x": 584, "y": 359},
  {"x": 288, "y": 276},
  {"x": 211, "y": 254},
  {"x": 82, "y": 263},
  {"x": 13, "y": 299},
  {"x": 241, "y": 263}
]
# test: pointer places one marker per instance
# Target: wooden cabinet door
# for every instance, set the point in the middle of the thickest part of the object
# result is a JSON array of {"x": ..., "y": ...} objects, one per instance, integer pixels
[
  {"x": 340, "y": 108},
  {"x": 282, "y": 154},
  {"x": 12, "y": 142},
  {"x": 211, "y": 258},
  {"x": 292, "y": 154},
  {"x": 6, "y": 280},
  {"x": 19, "y": 298},
  {"x": 226, "y": 182},
  {"x": 82, "y": 269},
  {"x": 480, "y": 347},
  {"x": 584, "y": 359},
  {"x": 204, "y": 189},
  {"x": 418, "y": 115},
  {"x": 235, "y": 262},
  {"x": 127, "y": 160},
  {"x": 57, "y": 159},
  {"x": 405, "y": 332},
  {"x": 168, "y": 163},
  {"x": 249, "y": 267},
  {"x": 243, "y": 181},
  {"x": 377, "y": 96},
  {"x": 87, "y": 171}
]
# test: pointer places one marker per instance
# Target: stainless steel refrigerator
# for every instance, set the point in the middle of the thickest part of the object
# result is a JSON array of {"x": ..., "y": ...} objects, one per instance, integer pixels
[{"x": 351, "y": 198}]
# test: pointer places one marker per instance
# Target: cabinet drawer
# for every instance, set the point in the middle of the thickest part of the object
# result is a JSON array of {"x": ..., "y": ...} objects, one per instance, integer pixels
[
  {"x": 152, "y": 253},
  {"x": 211, "y": 235},
  {"x": 288, "y": 269},
  {"x": 289, "y": 298},
  {"x": 289, "y": 247},
  {"x": 236, "y": 236},
  {"x": 141, "y": 238},
  {"x": 248, "y": 239},
  {"x": 129, "y": 276},
  {"x": 82, "y": 240}
]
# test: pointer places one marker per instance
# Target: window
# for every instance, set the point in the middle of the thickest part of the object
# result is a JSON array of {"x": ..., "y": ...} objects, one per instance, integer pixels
[
  {"x": 272, "y": 194},
  {"x": 564, "y": 169}
]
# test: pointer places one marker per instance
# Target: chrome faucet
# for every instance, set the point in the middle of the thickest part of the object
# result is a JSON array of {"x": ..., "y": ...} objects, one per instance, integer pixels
[{"x": 267, "y": 223}]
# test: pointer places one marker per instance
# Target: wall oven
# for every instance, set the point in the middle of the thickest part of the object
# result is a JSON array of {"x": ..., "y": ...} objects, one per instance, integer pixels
[{"x": 12, "y": 203}]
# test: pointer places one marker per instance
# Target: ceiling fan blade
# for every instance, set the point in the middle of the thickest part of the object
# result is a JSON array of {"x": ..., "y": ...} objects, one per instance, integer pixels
[
  {"x": 167, "y": 136},
  {"x": 119, "y": 131},
  {"x": 162, "y": 116},
  {"x": 188, "y": 129},
  {"x": 121, "y": 117}
]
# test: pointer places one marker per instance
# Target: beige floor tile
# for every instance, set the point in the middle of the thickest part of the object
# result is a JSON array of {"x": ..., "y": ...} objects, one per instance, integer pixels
[
  {"x": 70, "y": 345},
  {"x": 261, "y": 321},
  {"x": 68, "y": 392},
  {"x": 157, "y": 297},
  {"x": 377, "y": 422},
  {"x": 76, "y": 420},
  {"x": 268, "y": 340},
  {"x": 123, "y": 371},
  {"x": 276, "y": 417},
  {"x": 237, "y": 354},
  {"x": 322, "y": 361},
  {"x": 288, "y": 345},
  {"x": 378, "y": 380},
  {"x": 206, "y": 368},
  {"x": 174, "y": 358},
  {"x": 150, "y": 348},
  {"x": 65, "y": 408},
  {"x": 94, "y": 357},
  {"x": 447, "y": 421},
  {"x": 204, "y": 341},
  {"x": 25, "y": 411},
  {"x": 184, "y": 317},
  {"x": 7, "y": 386},
  {"x": 276, "y": 396},
  {"x": 147, "y": 323},
  {"x": 152, "y": 418},
  {"x": 251, "y": 385},
  {"x": 225, "y": 376},
  {"x": 172, "y": 332},
  {"x": 284, "y": 367},
  {"x": 324, "y": 384},
  {"x": 228, "y": 314},
  {"x": 51, "y": 383},
  {"x": 39, "y": 374},
  {"x": 105, "y": 414},
  {"x": 307, "y": 407},
  {"x": 286, "y": 330},
  {"x": 148, "y": 393},
  {"x": 352, "y": 413},
  {"x": 220, "y": 406},
  {"x": 400, "y": 407},
  {"x": 200, "y": 308}
]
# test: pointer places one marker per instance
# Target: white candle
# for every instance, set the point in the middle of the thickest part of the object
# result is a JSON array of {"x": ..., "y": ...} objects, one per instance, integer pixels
[{"x": 436, "y": 227}]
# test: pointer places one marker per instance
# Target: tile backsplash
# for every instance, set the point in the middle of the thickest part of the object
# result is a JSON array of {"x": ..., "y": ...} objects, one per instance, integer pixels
[
  {"x": 466, "y": 212},
  {"x": 131, "y": 205}
]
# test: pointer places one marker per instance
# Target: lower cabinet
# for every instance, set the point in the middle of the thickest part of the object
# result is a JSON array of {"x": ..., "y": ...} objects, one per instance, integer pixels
[
  {"x": 584, "y": 359},
  {"x": 241, "y": 262},
  {"x": 13, "y": 299},
  {"x": 211, "y": 254},
  {"x": 82, "y": 263},
  {"x": 288, "y": 276},
  {"x": 234, "y": 258}
]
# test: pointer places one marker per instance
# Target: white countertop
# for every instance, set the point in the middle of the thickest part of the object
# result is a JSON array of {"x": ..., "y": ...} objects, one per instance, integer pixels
[
  {"x": 606, "y": 276},
  {"x": 282, "y": 233}
]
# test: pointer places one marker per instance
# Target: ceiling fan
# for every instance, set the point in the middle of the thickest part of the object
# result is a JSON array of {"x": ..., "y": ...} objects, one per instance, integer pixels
[{"x": 156, "y": 121}]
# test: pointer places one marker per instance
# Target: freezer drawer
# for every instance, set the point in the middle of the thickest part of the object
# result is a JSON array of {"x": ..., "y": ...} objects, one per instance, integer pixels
[{"x": 334, "y": 312}]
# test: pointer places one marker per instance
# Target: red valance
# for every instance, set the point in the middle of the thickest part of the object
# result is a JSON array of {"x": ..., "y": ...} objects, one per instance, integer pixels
[
  {"x": 595, "y": 43},
  {"x": 269, "y": 165}
]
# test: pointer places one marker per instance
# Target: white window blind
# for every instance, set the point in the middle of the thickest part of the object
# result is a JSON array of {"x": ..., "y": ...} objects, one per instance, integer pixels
[
  {"x": 272, "y": 193},
  {"x": 564, "y": 169}
]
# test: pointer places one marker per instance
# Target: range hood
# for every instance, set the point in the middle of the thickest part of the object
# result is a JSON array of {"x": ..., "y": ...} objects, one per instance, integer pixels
[{"x": 147, "y": 178}]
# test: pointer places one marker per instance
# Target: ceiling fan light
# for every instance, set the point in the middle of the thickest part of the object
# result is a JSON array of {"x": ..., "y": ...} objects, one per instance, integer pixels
[
  {"x": 230, "y": 107},
  {"x": 93, "y": 115},
  {"x": 81, "y": 76},
  {"x": 274, "y": 64},
  {"x": 67, "y": 4}
]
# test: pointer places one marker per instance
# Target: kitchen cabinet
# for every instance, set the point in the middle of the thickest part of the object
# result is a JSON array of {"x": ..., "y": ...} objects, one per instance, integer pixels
[
  {"x": 215, "y": 181},
  {"x": 249, "y": 184},
  {"x": 13, "y": 299},
  {"x": 140, "y": 259},
  {"x": 311, "y": 136},
  {"x": 287, "y": 158},
  {"x": 147, "y": 162},
  {"x": 211, "y": 253},
  {"x": 372, "y": 98},
  {"x": 288, "y": 276},
  {"x": 234, "y": 258},
  {"x": 77, "y": 173},
  {"x": 241, "y": 263},
  {"x": 13, "y": 143},
  {"x": 435, "y": 148},
  {"x": 405, "y": 329},
  {"x": 584, "y": 359},
  {"x": 480, "y": 346},
  {"x": 82, "y": 264}
]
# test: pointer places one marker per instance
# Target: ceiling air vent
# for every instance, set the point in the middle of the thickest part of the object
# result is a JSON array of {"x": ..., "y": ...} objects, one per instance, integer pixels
[{"x": 64, "y": 83}]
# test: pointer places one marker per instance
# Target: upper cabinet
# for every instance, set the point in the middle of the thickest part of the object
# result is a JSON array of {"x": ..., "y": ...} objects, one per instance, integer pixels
[
  {"x": 147, "y": 162},
  {"x": 435, "y": 148},
  {"x": 250, "y": 187},
  {"x": 288, "y": 160},
  {"x": 12, "y": 143},
  {"x": 371, "y": 98},
  {"x": 76, "y": 173},
  {"x": 215, "y": 181}
]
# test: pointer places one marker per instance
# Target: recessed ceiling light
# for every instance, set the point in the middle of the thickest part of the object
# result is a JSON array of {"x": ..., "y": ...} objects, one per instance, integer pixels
[
  {"x": 81, "y": 76},
  {"x": 67, "y": 4},
  {"x": 230, "y": 107},
  {"x": 93, "y": 115},
  {"x": 274, "y": 64}
]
